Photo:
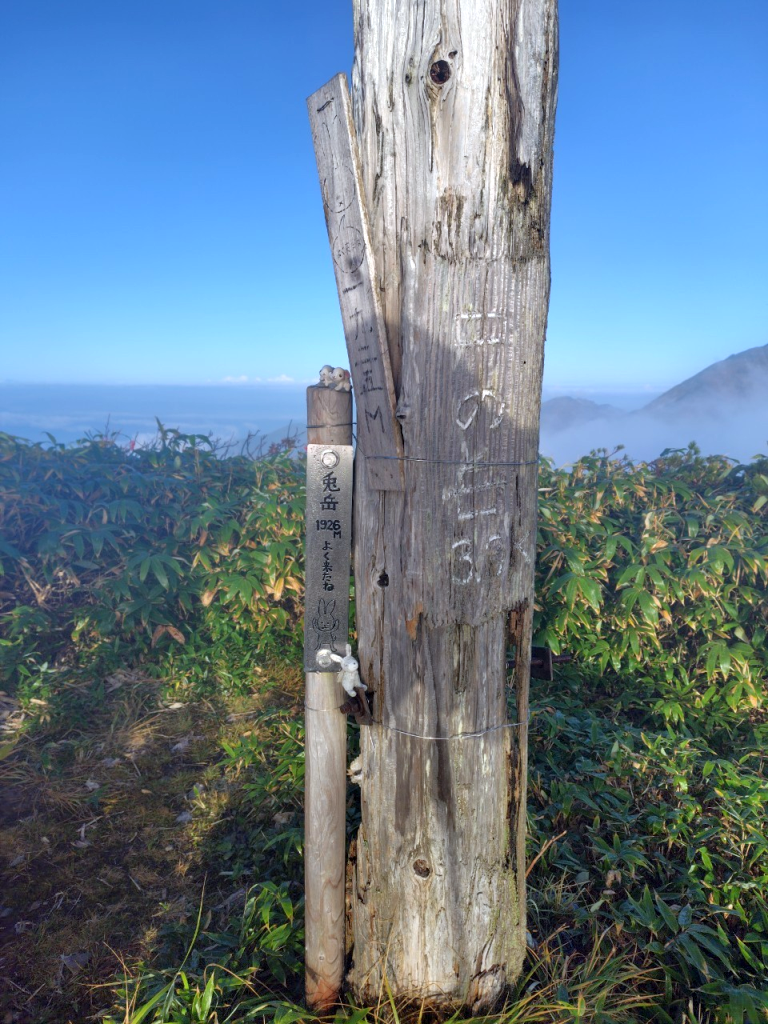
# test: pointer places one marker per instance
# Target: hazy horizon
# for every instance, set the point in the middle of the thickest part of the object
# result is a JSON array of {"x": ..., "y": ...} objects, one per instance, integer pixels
[
  {"x": 229, "y": 412},
  {"x": 69, "y": 411}
]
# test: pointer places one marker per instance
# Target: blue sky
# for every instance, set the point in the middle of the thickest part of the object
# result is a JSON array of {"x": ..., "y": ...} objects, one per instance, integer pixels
[{"x": 161, "y": 222}]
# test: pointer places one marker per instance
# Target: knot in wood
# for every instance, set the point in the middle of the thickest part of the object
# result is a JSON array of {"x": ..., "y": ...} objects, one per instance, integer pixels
[
  {"x": 440, "y": 72},
  {"x": 421, "y": 868}
]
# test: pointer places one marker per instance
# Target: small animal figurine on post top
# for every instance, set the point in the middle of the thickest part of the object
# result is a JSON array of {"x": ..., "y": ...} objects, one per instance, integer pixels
[
  {"x": 326, "y": 373},
  {"x": 336, "y": 378},
  {"x": 341, "y": 380}
]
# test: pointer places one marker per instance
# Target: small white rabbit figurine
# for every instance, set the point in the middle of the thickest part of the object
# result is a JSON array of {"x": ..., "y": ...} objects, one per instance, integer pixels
[
  {"x": 350, "y": 676},
  {"x": 326, "y": 376},
  {"x": 340, "y": 380}
]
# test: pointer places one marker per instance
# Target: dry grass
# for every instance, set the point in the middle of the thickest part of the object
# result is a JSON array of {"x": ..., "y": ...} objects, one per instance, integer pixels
[{"x": 93, "y": 856}]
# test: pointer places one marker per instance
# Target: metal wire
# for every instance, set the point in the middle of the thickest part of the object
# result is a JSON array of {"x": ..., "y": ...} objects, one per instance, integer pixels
[
  {"x": 318, "y": 426},
  {"x": 455, "y": 736},
  {"x": 440, "y": 462},
  {"x": 424, "y": 736},
  {"x": 448, "y": 462}
]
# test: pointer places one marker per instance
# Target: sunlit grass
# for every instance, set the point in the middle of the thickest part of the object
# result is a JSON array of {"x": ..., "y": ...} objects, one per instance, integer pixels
[{"x": 151, "y": 750}]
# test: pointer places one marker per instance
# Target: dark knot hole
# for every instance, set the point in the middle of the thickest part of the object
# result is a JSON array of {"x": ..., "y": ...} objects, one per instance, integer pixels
[
  {"x": 421, "y": 868},
  {"x": 440, "y": 72},
  {"x": 383, "y": 580}
]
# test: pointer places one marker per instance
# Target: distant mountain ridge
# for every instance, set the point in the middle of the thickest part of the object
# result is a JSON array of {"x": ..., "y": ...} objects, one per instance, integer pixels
[
  {"x": 735, "y": 383},
  {"x": 564, "y": 412},
  {"x": 723, "y": 409},
  {"x": 738, "y": 380}
]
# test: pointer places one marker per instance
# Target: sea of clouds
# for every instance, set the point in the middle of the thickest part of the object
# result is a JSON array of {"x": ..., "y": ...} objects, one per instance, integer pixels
[
  {"x": 130, "y": 412},
  {"x": 232, "y": 411},
  {"x": 737, "y": 434}
]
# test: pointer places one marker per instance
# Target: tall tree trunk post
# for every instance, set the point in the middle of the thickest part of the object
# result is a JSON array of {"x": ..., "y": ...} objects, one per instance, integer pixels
[{"x": 454, "y": 107}]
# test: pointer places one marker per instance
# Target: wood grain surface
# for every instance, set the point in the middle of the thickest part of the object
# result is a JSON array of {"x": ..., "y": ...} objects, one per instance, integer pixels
[
  {"x": 454, "y": 108},
  {"x": 338, "y": 164}
]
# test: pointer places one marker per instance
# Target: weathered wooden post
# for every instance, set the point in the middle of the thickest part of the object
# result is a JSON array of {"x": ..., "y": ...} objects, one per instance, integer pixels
[
  {"x": 454, "y": 107},
  {"x": 329, "y": 532},
  {"x": 440, "y": 240}
]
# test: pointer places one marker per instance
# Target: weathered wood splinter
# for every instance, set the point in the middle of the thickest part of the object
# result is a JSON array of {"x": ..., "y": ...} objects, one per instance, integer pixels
[{"x": 338, "y": 165}]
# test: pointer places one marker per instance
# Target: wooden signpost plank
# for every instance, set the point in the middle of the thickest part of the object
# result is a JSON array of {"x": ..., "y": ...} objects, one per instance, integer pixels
[
  {"x": 338, "y": 164},
  {"x": 328, "y": 550},
  {"x": 329, "y": 527}
]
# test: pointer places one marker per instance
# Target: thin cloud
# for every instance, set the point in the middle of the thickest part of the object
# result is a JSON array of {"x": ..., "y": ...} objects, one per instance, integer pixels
[{"x": 739, "y": 434}]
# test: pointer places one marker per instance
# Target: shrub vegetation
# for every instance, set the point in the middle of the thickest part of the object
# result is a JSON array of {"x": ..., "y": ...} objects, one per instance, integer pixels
[{"x": 648, "y": 866}]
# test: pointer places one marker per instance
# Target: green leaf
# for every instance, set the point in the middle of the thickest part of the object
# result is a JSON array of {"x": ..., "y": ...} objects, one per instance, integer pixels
[
  {"x": 694, "y": 955},
  {"x": 648, "y": 607},
  {"x": 630, "y": 573},
  {"x": 634, "y": 641},
  {"x": 158, "y": 571},
  {"x": 206, "y": 998},
  {"x": 669, "y": 918},
  {"x": 140, "y": 1013},
  {"x": 592, "y": 591}
]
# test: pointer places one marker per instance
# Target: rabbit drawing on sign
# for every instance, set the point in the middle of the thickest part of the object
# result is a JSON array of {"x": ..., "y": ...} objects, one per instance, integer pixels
[{"x": 325, "y": 623}]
